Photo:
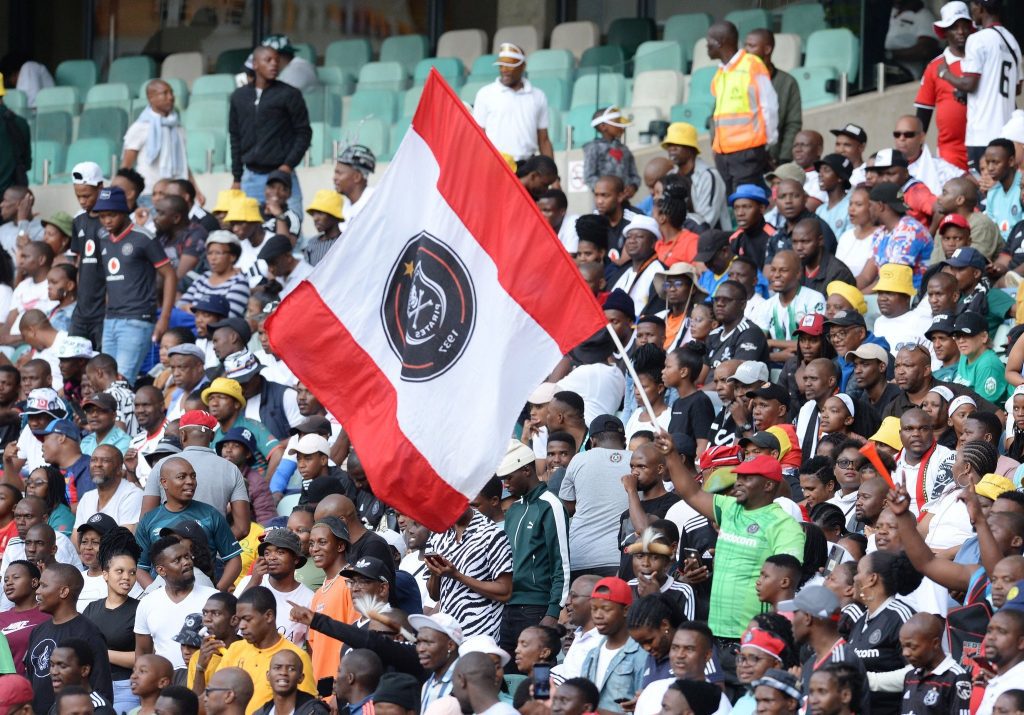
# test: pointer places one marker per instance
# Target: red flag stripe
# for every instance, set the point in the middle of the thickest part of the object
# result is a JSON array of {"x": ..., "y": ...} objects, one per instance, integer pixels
[
  {"x": 476, "y": 186},
  {"x": 401, "y": 472}
]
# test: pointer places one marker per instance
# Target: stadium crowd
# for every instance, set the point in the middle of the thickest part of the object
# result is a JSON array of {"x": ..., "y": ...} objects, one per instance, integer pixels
[{"x": 798, "y": 490}]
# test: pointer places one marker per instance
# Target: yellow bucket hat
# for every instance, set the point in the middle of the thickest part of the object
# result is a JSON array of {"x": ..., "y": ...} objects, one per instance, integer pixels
[
  {"x": 226, "y": 198},
  {"x": 853, "y": 296},
  {"x": 224, "y": 386},
  {"x": 889, "y": 433},
  {"x": 992, "y": 485},
  {"x": 896, "y": 278},
  {"x": 244, "y": 210},
  {"x": 328, "y": 201},
  {"x": 682, "y": 134}
]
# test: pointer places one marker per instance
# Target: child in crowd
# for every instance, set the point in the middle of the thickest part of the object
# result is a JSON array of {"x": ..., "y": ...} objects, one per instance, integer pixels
[
  {"x": 837, "y": 415},
  {"x": 954, "y": 232},
  {"x": 780, "y": 576},
  {"x": 702, "y": 321},
  {"x": 608, "y": 155},
  {"x": 150, "y": 675}
]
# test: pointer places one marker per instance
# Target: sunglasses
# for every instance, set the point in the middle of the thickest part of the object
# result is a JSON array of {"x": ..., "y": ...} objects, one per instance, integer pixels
[{"x": 904, "y": 135}]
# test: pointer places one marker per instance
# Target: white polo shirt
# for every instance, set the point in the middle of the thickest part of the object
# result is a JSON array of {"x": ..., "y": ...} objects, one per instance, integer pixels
[{"x": 512, "y": 117}]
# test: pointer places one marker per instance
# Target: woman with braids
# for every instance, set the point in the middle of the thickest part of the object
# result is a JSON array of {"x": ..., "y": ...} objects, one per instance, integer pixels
[
  {"x": 48, "y": 484},
  {"x": 115, "y": 615},
  {"x": 677, "y": 243},
  {"x": 20, "y": 583},
  {"x": 652, "y": 621},
  {"x": 945, "y": 521},
  {"x": 649, "y": 361},
  {"x": 693, "y": 413},
  {"x": 881, "y": 577}
]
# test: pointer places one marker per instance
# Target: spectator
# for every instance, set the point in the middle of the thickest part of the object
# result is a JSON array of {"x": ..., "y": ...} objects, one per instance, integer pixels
[
  {"x": 617, "y": 664},
  {"x": 243, "y": 219},
  {"x": 101, "y": 413},
  {"x": 753, "y": 233},
  {"x": 231, "y": 692},
  {"x": 1003, "y": 649},
  {"x": 909, "y": 43},
  {"x": 899, "y": 238},
  {"x": 285, "y": 675},
  {"x": 186, "y": 361},
  {"x": 87, "y": 320},
  {"x": 778, "y": 690},
  {"x": 960, "y": 196},
  {"x": 677, "y": 243},
  {"x": 585, "y": 635},
  {"x": 736, "y": 337},
  {"x": 278, "y": 219},
  {"x": 16, "y": 134},
  {"x": 761, "y": 42},
  {"x": 850, "y": 142},
  {"x": 781, "y": 313},
  {"x": 181, "y": 237},
  {"x": 898, "y": 323},
  {"x": 1002, "y": 200},
  {"x": 152, "y": 418},
  {"x": 836, "y": 689},
  {"x": 226, "y": 401},
  {"x": 820, "y": 268},
  {"x": 512, "y": 112},
  {"x": 834, "y": 172},
  {"x": 979, "y": 367},
  {"x": 114, "y": 495},
  {"x": 150, "y": 675},
  {"x": 48, "y": 483},
  {"x": 62, "y": 294},
  {"x": 793, "y": 204},
  {"x": 20, "y": 227},
  {"x": 396, "y": 694},
  {"x": 71, "y": 662},
  {"x": 238, "y": 446},
  {"x": 21, "y": 582},
  {"x": 607, "y": 155},
  {"x": 155, "y": 143},
  {"x": 475, "y": 686},
  {"x": 272, "y": 403},
  {"x": 921, "y": 638},
  {"x": 708, "y": 191},
  {"x": 282, "y": 266},
  {"x": 808, "y": 148},
  {"x": 294, "y": 70},
  {"x": 646, "y": 475},
  {"x": 438, "y": 638},
  {"x": 280, "y": 554},
  {"x": 326, "y": 213}
]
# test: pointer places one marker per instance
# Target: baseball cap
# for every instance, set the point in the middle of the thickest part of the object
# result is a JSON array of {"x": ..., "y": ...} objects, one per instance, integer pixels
[
  {"x": 771, "y": 391},
  {"x": 314, "y": 424},
  {"x": 970, "y": 323},
  {"x": 367, "y": 567},
  {"x": 441, "y": 622},
  {"x": 815, "y": 601},
  {"x": 275, "y": 246},
  {"x": 399, "y": 689},
  {"x": 186, "y": 529},
  {"x": 282, "y": 539},
  {"x": 358, "y": 157},
  {"x": 190, "y": 349},
  {"x": 764, "y": 641},
  {"x": 790, "y": 170},
  {"x": 65, "y": 427},
  {"x": 282, "y": 177},
  {"x": 395, "y": 541},
  {"x": 99, "y": 522},
  {"x": 838, "y": 163},
  {"x": 317, "y": 489},
  {"x": 954, "y": 220},
  {"x": 16, "y": 690},
  {"x": 887, "y": 159},
  {"x": 845, "y": 319},
  {"x": 614, "y": 589},
  {"x": 87, "y": 173},
  {"x": 889, "y": 194},
  {"x": 101, "y": 400},
  {"x": 811, "y": 324},
  {"x": 281, "y": 43},
  {"x": 709, "y": 243},
  {"x": 517, "y": 456},
  {"x": 481, "y": 643},
  {"x": 44, "y": 400},
  {"x": 752, "y": 192},
  {"x": 189, "y": 633},
  {"x": 334, "y": 524},
  {"x": 966, "y": 257},
  {"x": 112, "y": 199},
  {"x": 870, "y": 351},
  {"x": 73, "y": 346},
  {"x": 164, "y": 448},
  {"x": 606, "y": 423},
  {"x": 242, "y": 366},
  {"x": 764, "y": 440},
  {"x": 992, "y": 485},
  {"x": 750, "y": 372},
  {"x": 311, "y": 444},
  {"x": 612, "y": 116},
  {"x": 951, "y": 13},
  {"x": 1015, "y": 597},
  {"x": 237, "y": 324},
  {"x": 761, "y": 466},
  {"x": 543, "y": 394},
  {"x": 198, "y": 418},
  {"x": 854, "y": 131},
  {"x": 942, "y": 323},
  {"x": 215, "y": 304}
]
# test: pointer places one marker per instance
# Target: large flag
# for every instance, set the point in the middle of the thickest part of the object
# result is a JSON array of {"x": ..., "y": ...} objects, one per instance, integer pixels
[{"x": 444, "y": 304}]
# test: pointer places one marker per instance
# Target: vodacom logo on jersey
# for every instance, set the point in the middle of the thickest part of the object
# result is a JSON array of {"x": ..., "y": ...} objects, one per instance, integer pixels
[{"x": 114, "y": 269}]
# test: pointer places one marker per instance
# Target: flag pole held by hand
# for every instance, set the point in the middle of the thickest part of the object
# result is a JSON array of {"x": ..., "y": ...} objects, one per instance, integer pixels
[{"x": 632, "y": 371}]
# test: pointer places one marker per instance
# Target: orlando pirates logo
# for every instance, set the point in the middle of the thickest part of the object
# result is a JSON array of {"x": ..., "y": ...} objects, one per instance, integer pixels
[{"x": 428, "y": 309}]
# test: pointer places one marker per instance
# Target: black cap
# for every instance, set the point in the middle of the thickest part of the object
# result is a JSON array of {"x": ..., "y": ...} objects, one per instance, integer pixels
[
  {"x": 888, "y": 158},
  {"x": 710, "y": 243},
  {"x": 852, "y": 130},
  {"x": 838, "y": 163},
  {"x": 367, "y": 567},
  {"x": 942, "y": 323},
  {"x": 336, "y": 525},
  {"x": 276, "y": 245},
  {"x": 283, "y": 539},
  {"x": 845, "y": 319},
  {"x": 764, "y": 440},
  {"x": 317, "y": 489},
  {"x": 399, "y": 689},
  {"x": 187, "y": 529},
  {"x": 594, "y": 350},
  {"x": 237, "y": 324},
  {"x": 100, "y": 523},
  {"x": 102, "y": 400},
  {"x": 889, "y": 194},
  {"x": 619, "y": 300},
  {"x": 315, "y": 424},
  {"x": 189, "y": 633},
  {"x": 771, "y": 391},
  {"x": 281, "y": 176},
  {"x": 606, "y": 423},
  {"x": 970, "y": 323}
]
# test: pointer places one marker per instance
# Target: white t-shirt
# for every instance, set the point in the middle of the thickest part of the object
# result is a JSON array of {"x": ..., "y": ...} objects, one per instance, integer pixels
[
  {"x": 28, "y": 295},
  {"x": 812, "y": 187},
  {"x": 291, "y": 408},
  {"x": 904, "y": 29},
  {"x": 30, "y": 449},
  {"x": 853, "y": 251},
  {"x": 950, "y": 524},
  {"x": 910, "y": 326},
  {"x": 649, "y": 702},
  {"x": 634, "y": 424},
  {"x": 295, "y": 632},
  {"x": 937, "y": 474},
  {"x": 601, "y": 387},
  {"x": 780, "y": 322},
  {"x": 124, "y": 507},
  {"x": 988, "y": 53},
  {"x": 350, "y": 210},
  {"x": 161, "y": 618},
  {"x": 512, "y": 117},
  {"x": 95, "y": 588},
  {"x": 567, "y": 233},
  {"x": 932, "y": 171},
  {"x": 999, "y": 684},
  {"x": 604, "y": 658}
]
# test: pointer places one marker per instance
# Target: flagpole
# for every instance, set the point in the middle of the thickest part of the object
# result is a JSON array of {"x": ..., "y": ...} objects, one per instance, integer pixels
[{"x": 632, "y": 372}]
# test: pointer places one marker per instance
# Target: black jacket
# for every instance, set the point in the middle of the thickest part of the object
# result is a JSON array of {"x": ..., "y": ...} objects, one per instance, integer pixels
[
  {"x": 272, "y": 133},
  {"x": 829, "y": 269},
  {"x": 305, "y": 704}
]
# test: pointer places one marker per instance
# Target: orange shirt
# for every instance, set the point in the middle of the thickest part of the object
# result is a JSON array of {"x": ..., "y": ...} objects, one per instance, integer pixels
[
  {"x": 682, "y": 248},
  {"x": 673, "y": 324},
  {"x": 333, "y": 599}
]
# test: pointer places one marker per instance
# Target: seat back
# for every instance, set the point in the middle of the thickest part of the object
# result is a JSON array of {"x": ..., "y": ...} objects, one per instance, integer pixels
[
  {"x": 206, "y": 151},
  {"x": 80, "y": 74},
  {"x": 407, "y": 50},
  {"x": 231, "y": 61},
  {"x": 579, "y": 119},
  {"x": 630, "y": 33},
  {"x": 349, "y": 55},
  {"x": 48, "y": 159},
  {"x": 109, "y": 95},
  {"x": 58, "y": 99},
  {"x": 411, "y": 100},
  {"x": 551, "y": 63},
  {"x": 747, "y": 20},
  {"x": 837, "y": 48},
  {"x": 16, "y": 101},
  {"x": 187, "y": 66},
  {"x": 601, "y": 89},
  {"x": 103, "y": 123},
  {"x": 696, "y": 113},
  {"x": 373, "y": 103},
  {"x": 803, "y": 19},
  {"x": 577, "y": 37},
  {"x": 787, "y": 54},
  {"x": 468, "y": 91},
  {"x": 464, "y": 45},
  {"x": 658, "y": 88},
  {"x": 525, "y": 36},
  {"x": 700, "y": 58},
  {"x": 370, "y": 132},
  {"x": 53, "y": 126},
  {"x": 556, "y": 90},
  {"x": 700, "y": 85},
  {"x": 383, "y": 75},
  {"x": 337, "y": 78},
  {"x": 306, "y": 51},
  {"x": 658, "y": 55},
  {"x": 102, "y": 151},
  {"x": 606, "y": 58},
  {"x": 816, "y": 85},
  {"x": 686, "y": 29},
  {"x": 207, "y": 113},
  {"x": 451, "y": 68},
  {"x": 483, "y": 68},
  {"x": 133, "y": 71},
  {"x": 213, "y": 85},
  {"x": 323, "y": 104}
]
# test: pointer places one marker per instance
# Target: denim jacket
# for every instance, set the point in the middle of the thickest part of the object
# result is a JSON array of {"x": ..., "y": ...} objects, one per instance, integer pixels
[{"x": 624, "y": 677}]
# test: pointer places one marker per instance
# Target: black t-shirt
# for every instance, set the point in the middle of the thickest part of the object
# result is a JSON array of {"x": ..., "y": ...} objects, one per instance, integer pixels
[
  {"x": 876, "y": 642},
  {"x": 47, "y": 636},
  {"x": 130, "y": 262},
  {"x": 841, "y": 653},
  {"x": 118, "y": 626},
  {"x": 1015, "y": 245},
  {"x": 100, "y": 706},
  {"x": 92, "y": 287},
  {"x": 371, "y": 544},
  {"x": 752, "y": 244},
  {"x": 658, "y": 507},
  {"x": 691, "y": 420},
  {"x": 723, "y": 430},
  {"x": 745, "y": 342}
]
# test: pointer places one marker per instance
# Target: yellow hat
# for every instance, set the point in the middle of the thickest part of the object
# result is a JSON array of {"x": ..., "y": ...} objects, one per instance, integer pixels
[
  {"x": 992, "y": 485},
  {"x": 853, "y": 296},
  {"x": 896, "y": 278},
  {"x": 510, "y": 161},
  {"x": 784, "y": 444},
  {"x": 889, "y": 433},
  {"x": 2, "y": 90},
  {"x": 226, "y": 198},
  {"x": 224, "y": 386},
  {"x": 682, "y": 134},
  {"x": 244, "y": 210},
  {"x": 328, "y": 201}
]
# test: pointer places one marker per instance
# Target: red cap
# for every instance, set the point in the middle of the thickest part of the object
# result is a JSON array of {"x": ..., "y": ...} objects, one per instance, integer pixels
[
  {"x": 954, "y": 220},
  {"x": 761, "y": 466},
  {"x": 613, "y": 589},
  {"x": 199, "y": 418},
  {"x": 812, "y": 324},
  {"x": 15, "y": 690},
  {"x": 764, "y": 641}
]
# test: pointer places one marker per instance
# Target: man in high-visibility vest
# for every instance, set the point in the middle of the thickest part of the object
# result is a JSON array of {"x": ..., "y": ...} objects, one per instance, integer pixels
[{"x": 746, "y": 117}]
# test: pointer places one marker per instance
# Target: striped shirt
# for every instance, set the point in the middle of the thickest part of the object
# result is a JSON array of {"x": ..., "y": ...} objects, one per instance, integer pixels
[
  {"x": 679, "y": 593},
  {"x": 317, "y": 247},
  {"x": 235, "y": 290},
  {"x": 483, "y": 553},
  {"x": 125, "y": 399}
]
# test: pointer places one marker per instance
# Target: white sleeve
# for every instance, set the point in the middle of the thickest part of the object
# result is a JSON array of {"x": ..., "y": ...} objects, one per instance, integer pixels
[
  {"x": 974, "y": 55},
  {"x": 702, "y": 194},
  {"x": 542, "y": 110},
  {"x": 480, "y": 107},
  {"x": 142, "y": 616},
  {"x": 135, "y": 137},
  {"x": 129, "y": 511},
  {"x": 291, "y": 408},
  {"x": 769, "y": 102}
]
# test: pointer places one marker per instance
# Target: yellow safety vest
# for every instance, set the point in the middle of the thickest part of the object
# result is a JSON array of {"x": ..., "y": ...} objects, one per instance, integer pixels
[{"x": 737, "y": 120}]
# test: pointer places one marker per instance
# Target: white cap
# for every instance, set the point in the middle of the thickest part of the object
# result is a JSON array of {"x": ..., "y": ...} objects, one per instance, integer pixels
[
  {"x": 516, "y": 457},
  {"x": 751, "y": 372},
  {"x": 222, "y": 236},
  {"x": 510, "y": 55},
  {"x": 952, "y": 12},
  {"x": 395, "y": 540},
  {"x": 87, "y": 173},
  {"x": 441, "y": 622},
  {"x": 613, "y": 116},
  {"x": 645, "y": 223},
  {"x": 1014, "y": 128},
  {"x": 543, "y": 394},
  {"x": 310, "y": 444},
  {"x": 73, "y": 346},
  {"x": 484, "y": 644}
]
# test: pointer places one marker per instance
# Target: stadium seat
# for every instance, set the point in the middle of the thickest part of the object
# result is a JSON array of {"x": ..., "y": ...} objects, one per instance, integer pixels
[
  {"x": 396, "y": 134},
  {"x": 556, "y": 130},
  {"x": 80, "y": 74},
  {"x": 213, "y": 85},
  {"x": 747, "y": 20},
  {"x": 660, "y": 88},
  {"x": 287, "y": 503},
  {"x": 838, "y": 48},
  {"x": 658, "y": 55},
  {"x": 383, "y": 75},
  {"x": 349, "y": 55},
  {"x": 319, "y": 148},
  {"x": 53, "y": 126},
  {"x": 803, "y": 19},
  {"x": 525, "y": 36},
  {"x": 206, "y": 151},
  {"x": 17, "y": 102},
  {"x": 579, "y": 119},
  {"x": 132, "y": 71},
  {"x": 306, "y": 51},
  {"x": 109, "y": 95},
  {"x": 483, "y": 68},
  {"x": 468, "y": 92},
  {"x": 47, "y": 160},
  {"x": 102, "y": 151},
  {"x": 181, "y": 93},
  {"x": 555, "y": 89},
  {"x": 577, "y": 37},
  {"x": 463, "y": 45},
  {"x": 642, "y": 118},
  {"x": 699, "y": 57},
  {"x": 695, "y": 113},
  {"x": 374, "y": 104},
  {"x": 207, "y": 113},
  {"x": 103, "y": 123},
  {"x": 818, "y": 85},
  {"x": 787, "y": 54},
  {"x": 57, "y": 99},
  {"x": 372, "y": 132},
  {"x": 186, "y": 66},
  {"x": 451, "y": 68},
  {"x": 323, "y": 105},
  {"x": 231, "y": 61},
  {"x": 606, "y": 58},
  {"x": 630, "y": 33},
  {"x": 601, "y": 89},
  {"x": 411, "y": 100},
  {"x": 338, "y": 79},
  {"x": 551, "y": 63},
  {"x": 686, "y": 29},
  {"x": 699, "y": 89},
  {"x": 407, "y": 50}
]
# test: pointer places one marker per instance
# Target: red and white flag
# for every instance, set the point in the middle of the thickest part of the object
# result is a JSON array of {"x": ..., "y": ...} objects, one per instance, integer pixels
[{"x": 445, "y": 303}]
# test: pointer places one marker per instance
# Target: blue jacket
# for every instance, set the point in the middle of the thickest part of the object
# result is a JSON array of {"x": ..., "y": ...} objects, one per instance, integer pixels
[
  {"x": 538, "y": 531},
  {"x": 623, "y": 678},
  {"x": 846, "y": 366}
]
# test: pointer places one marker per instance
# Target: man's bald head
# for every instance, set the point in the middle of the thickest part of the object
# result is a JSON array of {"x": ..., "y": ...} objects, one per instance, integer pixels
[
  {"x": 156, "y": 85},
  {"x": 335, "y": 505},
  {"x": 922, "y": 625},
  {"x": 788, "y": 258},
  {"x": 791, "y": 185},
  {"x": 237, "y": 680},
  {"x": 812, "y": 137},
  {"x": 656, "y": 168},
  {"x": 963, "y": 187},
  {"x": 651, "y": 453},
  {"x": 725, "y": 32},
  {"x": 173, "y": 464},
  {"x": 824, "y": 366},
  {"x": 909, "y": 123},
  {"x": 477, "y": 668},
  {"x": 875, "y": 485}
]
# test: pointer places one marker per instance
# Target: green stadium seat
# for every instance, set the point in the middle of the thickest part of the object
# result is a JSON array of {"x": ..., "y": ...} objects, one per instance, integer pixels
[
  {"x": 407, "y": 50},
  {"x": 349, "y": 55},
  {"x": 188, "y": 66},
  {"x": 231, "y": 61},
  {"x": 132, "y": 71},
  {"x": 81, "y": 74},
  {"x": 556, "y": 90},
  {"x": 181, "y": 93},
  {"x": 579, "y": 119},
  {"x": 371, "y": 132},
  {"x": 411, "y": 100},
  {"x": 335, "y": 77},
  {"x": 602, "y": 89},
  {"x": 700, "y": 85},
  {"x": 206, "y": 151},
  {"x": 397, "y": 133},
  {"x": 686, "y": 29},
  {"x": 630, "y": 33},
  {"x": 468, "y": 92},
  {"x": 53, "y": 126},
  {"x": 47, "y": 156},
  {"x": 747, "y": 20},
  {"x": 449, "y": 67},
  {"x": 551, "y": 63},
  {"x": 323, "y": 105},
  {"x": 693, "y": 112},
  {"x": 306, "y": 51},
  {"x": 319, "y": 149},
  {"x": 102, "y": 151},
  {"x": 483, "y": 67},
  {"x": 556, "y": 130},
  {"x": 57, "y": 99},
  {"x": 213, "y": 85},
  {"x": 803, "y": 19},
  {"x": 103, "y": 123},
  {"x": 818, "y": 85},
  {"x": 837, "y": 48},
  {"x": 383, "y": 75},
  {"x": 207, "y": 113},
  {"x": 17, "y": 102},
  {"x": 604, "y": 58},
  {"x": 109, "y": 95},
  {"x": 658, "y": 55},
  {"x": 374, "y": 104}
]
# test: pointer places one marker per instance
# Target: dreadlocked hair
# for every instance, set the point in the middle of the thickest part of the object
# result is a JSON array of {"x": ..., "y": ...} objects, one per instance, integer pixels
[
  {"x": 119, "y": 541},
  {"x": 649, "y": 360},
  {"x": 980, "y": 455},
  {"x": 672, "y": 203},
  {"x": 778, "y": 625},
  {"x": 651, "y": 611}
]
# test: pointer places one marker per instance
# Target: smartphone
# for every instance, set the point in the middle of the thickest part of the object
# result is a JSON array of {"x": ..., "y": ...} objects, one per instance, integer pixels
[
  {"x": 541, "y": 681},
  {"x": 690, "y": 553}
]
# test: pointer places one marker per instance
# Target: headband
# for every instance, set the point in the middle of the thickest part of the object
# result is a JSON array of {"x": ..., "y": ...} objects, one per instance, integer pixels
[
  {"x": 958, "y": 402},
  {"x": 943, "y": 392}
]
